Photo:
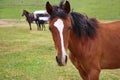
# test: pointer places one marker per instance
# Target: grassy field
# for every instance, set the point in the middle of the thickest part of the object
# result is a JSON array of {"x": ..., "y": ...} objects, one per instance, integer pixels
[
  {"x": 30, "y": 55},
  {"x": 103, "y": 10}
]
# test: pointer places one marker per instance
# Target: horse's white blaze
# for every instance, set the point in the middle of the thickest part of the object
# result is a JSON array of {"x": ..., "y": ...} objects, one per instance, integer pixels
[{"x": 60, "y": 26}]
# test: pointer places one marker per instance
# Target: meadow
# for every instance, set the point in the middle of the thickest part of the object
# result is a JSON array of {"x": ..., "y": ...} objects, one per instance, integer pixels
[
  {"x": 103, "y": 10},
  {"x": 30, "y": 55}
]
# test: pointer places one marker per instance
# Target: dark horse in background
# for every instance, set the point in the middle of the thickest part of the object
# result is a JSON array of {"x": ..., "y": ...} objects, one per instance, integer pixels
[
  {"x": 93, "y": 45},
  {"x": 30, "y": 17},
  {"x": 41, "y": 24}
]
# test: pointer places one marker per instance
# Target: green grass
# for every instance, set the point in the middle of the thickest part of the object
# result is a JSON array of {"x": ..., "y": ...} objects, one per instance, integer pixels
[
  {"x": 103, "y": 10},
  {"x": 13, "y": 8},
  {"x": 30, "y": 55}
]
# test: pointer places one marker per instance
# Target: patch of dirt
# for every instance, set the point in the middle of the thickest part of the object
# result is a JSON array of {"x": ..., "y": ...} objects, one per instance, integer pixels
[
  {"x": 2, "y": 22},
  {"x": 13, "y": 23}
]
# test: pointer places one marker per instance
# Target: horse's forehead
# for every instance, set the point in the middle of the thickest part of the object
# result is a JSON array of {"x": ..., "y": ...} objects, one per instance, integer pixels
[{"x": 59, "y": 24}]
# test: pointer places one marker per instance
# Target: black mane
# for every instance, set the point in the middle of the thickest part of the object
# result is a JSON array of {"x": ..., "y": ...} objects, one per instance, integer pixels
[
  {"x": 58, "y": 12},
  {"x": 82, "y": 25}
]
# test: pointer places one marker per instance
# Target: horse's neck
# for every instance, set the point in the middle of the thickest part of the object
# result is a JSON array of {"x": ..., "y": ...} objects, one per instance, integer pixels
[
  {"x": 77, "y": 44},
  {"x": 73, "y": 42},
  {"x": 27, "y": 15},
  {"x": 76, "y": 39}
]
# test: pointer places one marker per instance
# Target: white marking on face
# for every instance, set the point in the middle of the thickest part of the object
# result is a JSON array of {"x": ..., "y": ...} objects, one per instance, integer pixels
[{"x": 60, "y": 26}]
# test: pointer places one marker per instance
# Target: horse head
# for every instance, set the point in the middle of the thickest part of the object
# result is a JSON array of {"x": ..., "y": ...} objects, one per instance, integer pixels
[
  {"x": 25, "y": 12},
  {"x": 60, "y": 26}
]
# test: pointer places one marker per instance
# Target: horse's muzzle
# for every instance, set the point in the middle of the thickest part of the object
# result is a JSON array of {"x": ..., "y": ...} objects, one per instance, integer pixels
[{"x": 60, "y": 61}]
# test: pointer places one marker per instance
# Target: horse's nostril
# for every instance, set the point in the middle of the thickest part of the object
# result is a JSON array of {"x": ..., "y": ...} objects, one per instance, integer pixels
[
  {"x": 58, "y": 61},
  {"x": 65, "y": 59}
]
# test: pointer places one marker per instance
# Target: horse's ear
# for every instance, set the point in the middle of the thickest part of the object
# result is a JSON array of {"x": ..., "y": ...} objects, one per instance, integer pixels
[
  {"x": 49, "y": 8},
  {"x": 66, "y": 7}
]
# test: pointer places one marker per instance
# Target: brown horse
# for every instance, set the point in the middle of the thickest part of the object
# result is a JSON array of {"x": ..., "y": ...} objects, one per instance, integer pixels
[
  {"x": 30, "y": 17},
  {"x": 93, "y": 45}
]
